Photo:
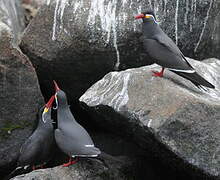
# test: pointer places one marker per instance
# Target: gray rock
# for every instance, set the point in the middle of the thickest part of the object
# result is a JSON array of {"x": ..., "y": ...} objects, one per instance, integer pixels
[
  {"x": 34, "y": 3},
  {"x": 20, "y": 98},
  {"x": 11, "y": 13},
  {"x": 78, "y": 42},
  {"x": 89, "y": 169},
  {"x": 169, "y": 115}
]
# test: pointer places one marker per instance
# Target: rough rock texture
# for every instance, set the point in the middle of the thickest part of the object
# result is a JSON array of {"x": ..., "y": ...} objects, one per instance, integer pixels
[
  {"x": 78, "y": 42},
  {"x": 168, "y": 115},
  {"x": 34, "y": 3},
  {"x": 127, "y": 155},
  {"x": 20, "y": 98},
  {"x": 109, "y": 168},
  {"x": 12, "y": 15}
]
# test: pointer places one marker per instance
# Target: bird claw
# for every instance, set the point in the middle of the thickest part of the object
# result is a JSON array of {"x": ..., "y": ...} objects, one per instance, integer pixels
[
  {"x": 157, "y": 74},
  {"x": 70, "y": 163}
]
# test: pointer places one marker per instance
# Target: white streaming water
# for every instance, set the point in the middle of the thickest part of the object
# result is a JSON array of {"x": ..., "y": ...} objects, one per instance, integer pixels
[
  {"x": 48, "y": 2},
  {"x": 114, "y": 27},
  {"x": 194, "y": 9},
  {"x": 106, "y": 12},
  {"x": 106, "y": 93},
  {"x": 77, "y": 5},
  {"x": 186, "y": 13},
  {"x": 58, "y": 18},
  {"x": 12, "y": 15},
  {"x": 204, "y": 26},
  {"x": 176, "y": 21}
]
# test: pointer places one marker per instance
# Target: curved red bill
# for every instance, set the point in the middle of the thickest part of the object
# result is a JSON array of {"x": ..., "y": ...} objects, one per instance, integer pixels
[
  {"x": 139, "y": 16},
  {"x": 50, "y": 102},
  {"x": 56, "y": 86}
]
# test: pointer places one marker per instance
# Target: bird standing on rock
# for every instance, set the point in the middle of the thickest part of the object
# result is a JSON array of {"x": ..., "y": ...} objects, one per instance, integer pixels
[
  {"x": 70, "y": 136},
  {"x": 37, "y": 148},
  {"x": 165, "y": 52}
]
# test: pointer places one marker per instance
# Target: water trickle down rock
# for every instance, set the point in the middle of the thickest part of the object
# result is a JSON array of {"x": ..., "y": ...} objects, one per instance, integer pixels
[
  {"x": 83, "y": 36},
  {"x": 169, "y": 116},
  {"x": 11, "y": 14},
  {"x": 79, "y": 41}
]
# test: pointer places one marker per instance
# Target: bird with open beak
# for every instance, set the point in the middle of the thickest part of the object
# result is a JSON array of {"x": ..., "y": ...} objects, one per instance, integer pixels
[
  {"x": 70, "y": 136},
  {"x": 165, "y": 52},
  {"x": 36, "y": 151}
]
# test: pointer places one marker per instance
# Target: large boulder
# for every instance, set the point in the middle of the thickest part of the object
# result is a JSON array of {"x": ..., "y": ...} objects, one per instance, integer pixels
[
  {"x": 90, "y": 169},
  {"x": 11, "y": 13},
  {"x": 171, "y": 117},
  {"x": 20, "y": 99},
  {"x": 78, "y": 42}
]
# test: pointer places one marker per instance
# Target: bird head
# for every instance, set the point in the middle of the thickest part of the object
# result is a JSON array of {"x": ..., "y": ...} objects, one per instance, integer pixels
[
  {"x": 148, "y": 16},
  {"x": 60, "y": 96},
  {"x": 47, "y": 110}
]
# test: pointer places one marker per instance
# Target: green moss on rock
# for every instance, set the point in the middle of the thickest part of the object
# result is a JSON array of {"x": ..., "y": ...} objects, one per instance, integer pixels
[{"x": 9, "y": 126}]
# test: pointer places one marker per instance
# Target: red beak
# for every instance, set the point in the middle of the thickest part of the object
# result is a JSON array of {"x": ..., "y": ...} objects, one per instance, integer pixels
[
  {"x": 50, "y": 102},
  {"x": 139, "y": 16},
  {"x": 56, "y": 86}
]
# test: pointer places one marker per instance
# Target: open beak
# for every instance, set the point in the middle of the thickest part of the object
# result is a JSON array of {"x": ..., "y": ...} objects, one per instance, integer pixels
[
  {"x": 49, "y": 104},
  {"x": 47, "y": 107},
  {"x": 140, "y": 16},
  {"x": 56, "y": 86}
]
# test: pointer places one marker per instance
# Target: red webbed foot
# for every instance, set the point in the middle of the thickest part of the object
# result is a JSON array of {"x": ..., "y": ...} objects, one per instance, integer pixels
[
  {"x": 71, "y": 162},
  {"x": 158, "y": 74}
]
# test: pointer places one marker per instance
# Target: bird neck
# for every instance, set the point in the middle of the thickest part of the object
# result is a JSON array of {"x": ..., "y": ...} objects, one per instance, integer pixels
[
  {"x": 150, "y": 29},
  {"x": 46, "y": 125},
  {"x": 64, "y": 115}
]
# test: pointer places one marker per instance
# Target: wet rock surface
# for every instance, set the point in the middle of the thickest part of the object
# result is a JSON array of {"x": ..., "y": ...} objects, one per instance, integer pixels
[
  {"x": 78, "y": 42},
  {"x": 11, "y": 14},
  {"x": 20, "y": 99},
  {"x": 66, "y": 47},
  {"x": 108, "y": 168},
  {"x": 169, "y": 116}
]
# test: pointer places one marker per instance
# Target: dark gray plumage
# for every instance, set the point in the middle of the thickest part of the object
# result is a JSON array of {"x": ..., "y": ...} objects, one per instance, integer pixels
[
  {"x": 37, "y": 148},
  {"x": 166, "y": 53},
  {"x": 70, "y": 136}
]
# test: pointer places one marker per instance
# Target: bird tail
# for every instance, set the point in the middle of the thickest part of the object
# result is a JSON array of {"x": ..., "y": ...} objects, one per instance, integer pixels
[
  {"x": 15, "y": 172},
  {"x": 196, "y": 79}
]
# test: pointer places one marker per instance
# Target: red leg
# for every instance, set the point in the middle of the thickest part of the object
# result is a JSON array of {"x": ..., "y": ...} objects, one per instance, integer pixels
[
  {"x": 158, "y": 74},
  {"x": 70, "y": 162},
  {"x": 33, "y": 168}
]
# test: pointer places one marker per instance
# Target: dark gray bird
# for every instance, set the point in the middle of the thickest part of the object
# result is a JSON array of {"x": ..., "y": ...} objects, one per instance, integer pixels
[
  {"x": 37, "y": 148},
  {"x": 70, "y": 136},
  {"x": 165, "y": 52}
]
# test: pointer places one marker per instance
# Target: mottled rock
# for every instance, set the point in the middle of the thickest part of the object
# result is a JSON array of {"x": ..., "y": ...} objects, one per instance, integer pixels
[
  {"x": 20, "y": 98},
  {"x": 63, "y": 45},
  {"x": 77, "y": 42},
  {"x": 11, "y": 13},
  {"x": 169, "y": 115},
  {"x": 89, "y": 169},
  {"x": 34, "y": 3}
]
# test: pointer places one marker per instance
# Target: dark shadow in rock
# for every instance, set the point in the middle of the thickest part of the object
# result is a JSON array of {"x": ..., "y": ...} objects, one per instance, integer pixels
[
  {"x": 152, "y": 154},
  {"x": 114, "y": 143}
]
